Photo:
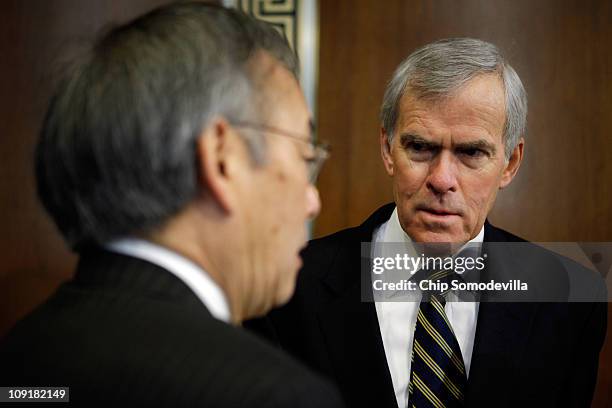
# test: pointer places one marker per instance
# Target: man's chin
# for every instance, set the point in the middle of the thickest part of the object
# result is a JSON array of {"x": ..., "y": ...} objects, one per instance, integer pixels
[{"x": 438, "y": 236}]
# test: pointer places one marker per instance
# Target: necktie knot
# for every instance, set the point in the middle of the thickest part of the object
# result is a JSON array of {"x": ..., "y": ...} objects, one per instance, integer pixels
[{"x": 436, "y": 283}]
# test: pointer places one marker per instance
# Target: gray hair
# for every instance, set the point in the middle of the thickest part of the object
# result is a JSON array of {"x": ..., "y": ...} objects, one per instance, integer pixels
[
  {"x": 439, "y": 68},
  {"x": 116, "y": 153}
]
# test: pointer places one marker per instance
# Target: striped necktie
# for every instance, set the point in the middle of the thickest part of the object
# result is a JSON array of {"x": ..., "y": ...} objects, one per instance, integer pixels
[{"x": 437, "y": 376}]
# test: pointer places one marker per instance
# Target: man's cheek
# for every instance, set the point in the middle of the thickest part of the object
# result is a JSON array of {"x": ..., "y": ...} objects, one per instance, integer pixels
[{"x": 406, "y": 186}]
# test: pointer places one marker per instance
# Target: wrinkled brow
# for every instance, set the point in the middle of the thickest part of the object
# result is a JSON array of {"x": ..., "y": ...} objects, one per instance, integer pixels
[
  {"x": 407, "y": 138},
  {"x": 481, "y": 144},
  {"x": 477, "y": 144}
]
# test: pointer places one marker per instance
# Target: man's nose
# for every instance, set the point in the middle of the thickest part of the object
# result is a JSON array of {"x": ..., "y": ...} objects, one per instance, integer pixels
[
  {"x": 442, "y": 176},
  {"x": 313, "y": 202}
]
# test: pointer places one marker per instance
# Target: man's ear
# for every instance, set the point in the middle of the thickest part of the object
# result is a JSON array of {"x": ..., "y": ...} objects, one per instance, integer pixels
[
  {"x": 513, "y": 164},
  {"x": 217, "y": 152},
  {"x": 385, "y": 151}
]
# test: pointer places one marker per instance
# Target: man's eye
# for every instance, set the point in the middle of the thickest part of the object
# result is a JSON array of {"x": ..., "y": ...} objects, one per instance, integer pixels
[
  {"x": 473, "y": 153},
  {"x": 417, "y": 147},
  {"x": 419, "y": 151}
]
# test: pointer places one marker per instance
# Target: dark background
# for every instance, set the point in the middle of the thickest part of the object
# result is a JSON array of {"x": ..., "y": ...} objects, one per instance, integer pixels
[{"x": 561, "y": 50}]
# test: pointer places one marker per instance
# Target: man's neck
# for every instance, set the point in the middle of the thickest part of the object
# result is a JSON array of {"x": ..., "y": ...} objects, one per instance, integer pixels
[{"x": 189, "y": 235}]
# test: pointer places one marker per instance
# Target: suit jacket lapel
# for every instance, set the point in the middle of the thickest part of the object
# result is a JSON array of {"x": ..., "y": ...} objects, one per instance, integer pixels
[
  {"x": 352, "y": 333},
  {"x": 356, "y": 350},
  {"x": 501, "y": 333}
]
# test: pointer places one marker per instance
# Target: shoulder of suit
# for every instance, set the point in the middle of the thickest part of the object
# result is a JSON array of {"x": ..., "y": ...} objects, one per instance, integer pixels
[
  {"x": 584, "y": 283},
  {"x": 276, "y": 378},
  {"x": 203, "y": 359},
  {"x": 495, "y": 234}
]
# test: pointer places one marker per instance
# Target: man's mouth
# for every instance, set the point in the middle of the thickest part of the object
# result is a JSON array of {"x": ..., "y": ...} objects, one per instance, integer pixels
[{"x": 438, "y": 212}]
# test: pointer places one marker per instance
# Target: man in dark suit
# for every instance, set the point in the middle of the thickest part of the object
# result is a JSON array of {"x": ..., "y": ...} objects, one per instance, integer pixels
[
  {"x": 453, "y": 120},
  {"x": 164, "y": 153}
]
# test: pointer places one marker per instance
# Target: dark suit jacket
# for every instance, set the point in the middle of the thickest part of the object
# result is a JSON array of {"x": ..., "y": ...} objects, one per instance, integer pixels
[
  {"x": 525, "y": 353},
  {"x": 127, "y": 332}
]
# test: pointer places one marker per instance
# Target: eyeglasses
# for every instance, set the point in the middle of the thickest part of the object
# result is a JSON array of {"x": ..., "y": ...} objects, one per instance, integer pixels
[{"x": 319, "y": 152}]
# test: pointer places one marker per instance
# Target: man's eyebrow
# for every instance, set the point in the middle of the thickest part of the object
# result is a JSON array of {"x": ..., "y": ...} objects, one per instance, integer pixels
[
  {"x": 477, "y": 144},
  {"x": 406, "y": 138},
  {"x": 484, "y": 145}
]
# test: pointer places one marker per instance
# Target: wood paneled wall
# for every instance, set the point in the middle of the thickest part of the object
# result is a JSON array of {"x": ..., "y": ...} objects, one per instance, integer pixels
[{"x": 562, "y": 50}]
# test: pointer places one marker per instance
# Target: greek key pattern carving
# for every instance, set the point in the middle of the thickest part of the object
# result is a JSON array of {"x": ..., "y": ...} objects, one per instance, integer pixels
[{"x": 280, "y": 13}]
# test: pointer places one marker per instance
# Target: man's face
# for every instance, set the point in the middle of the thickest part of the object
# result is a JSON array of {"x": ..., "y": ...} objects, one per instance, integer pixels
[
  {"x": 447, "y": 161},
  {"x": 280, "y": 197}
]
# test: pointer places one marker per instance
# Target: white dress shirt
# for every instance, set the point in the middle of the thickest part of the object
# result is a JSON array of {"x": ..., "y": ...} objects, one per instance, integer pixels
[
  {"x": 397, "y": 319},
  {"x": 202, "y": 285}
]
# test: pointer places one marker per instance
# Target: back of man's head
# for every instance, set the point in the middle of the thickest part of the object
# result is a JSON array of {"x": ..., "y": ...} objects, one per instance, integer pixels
[{"x": 116, "y": 154}]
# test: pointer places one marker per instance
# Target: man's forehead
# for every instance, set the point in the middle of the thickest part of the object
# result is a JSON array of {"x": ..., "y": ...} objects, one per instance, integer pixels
[
  {"x": 488, "y": 86},
  {"x": 478, "y": 103}
]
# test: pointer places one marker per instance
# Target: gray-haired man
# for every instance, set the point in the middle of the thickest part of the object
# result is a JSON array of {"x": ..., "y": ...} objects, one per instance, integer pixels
[
  {"x": 453, "y": 121},
  {"x": 174, "y": 159}
]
